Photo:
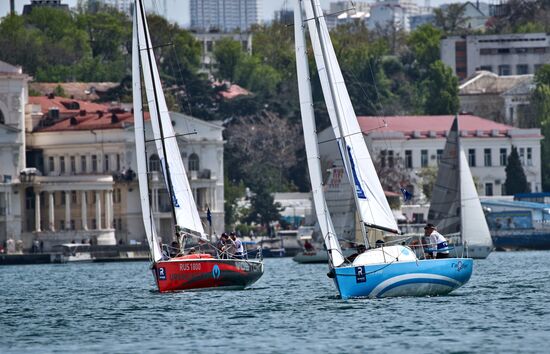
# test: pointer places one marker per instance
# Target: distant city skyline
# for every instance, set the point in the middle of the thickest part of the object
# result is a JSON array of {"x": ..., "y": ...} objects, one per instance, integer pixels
[{"x": 178, "y": 10}]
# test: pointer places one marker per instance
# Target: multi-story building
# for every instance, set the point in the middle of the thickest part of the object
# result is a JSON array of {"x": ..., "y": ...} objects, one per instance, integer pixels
[
  {"x": 418, "y": 142},
  {"x": 224, "y": 16},
  {"x": 503, "y": 54},
  {"x": 27, "y": 9},
  {"x": 342, "y": 12},
  {"x": 393, "y": 13},
  {"x": 503, "y": 99},
  {"x": 68, "y": 169}
]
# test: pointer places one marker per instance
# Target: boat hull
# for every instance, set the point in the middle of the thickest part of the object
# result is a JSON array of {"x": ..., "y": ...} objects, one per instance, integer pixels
[
  {"x": 421, "y": 278},
  {"x": 317, "y": 256},
  {"x": 521, "y": 240},
  {"x": 189, "y": 274}
]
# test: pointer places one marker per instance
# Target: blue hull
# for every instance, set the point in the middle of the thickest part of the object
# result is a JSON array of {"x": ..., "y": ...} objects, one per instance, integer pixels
[{"x": 422, "y": 278}]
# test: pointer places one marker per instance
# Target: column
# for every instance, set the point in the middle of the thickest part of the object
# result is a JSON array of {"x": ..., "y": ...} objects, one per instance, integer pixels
[
  {"x": 37, "y": 211},
  {"x": 107, "y": 197},
  {"x": 67, "y": 210},
  {"x": 51, "y": 211},
  {"x": 98, "y": 210},
  {"x": 84, "y": 210}
]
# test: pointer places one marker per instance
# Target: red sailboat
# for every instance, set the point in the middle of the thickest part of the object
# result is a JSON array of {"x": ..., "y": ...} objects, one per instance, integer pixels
[{"x": 182, "y": 271}]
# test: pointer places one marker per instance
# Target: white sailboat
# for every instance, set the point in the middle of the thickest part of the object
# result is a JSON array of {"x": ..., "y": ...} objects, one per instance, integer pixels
[
  {"x": 455, "y": 207},
  {"x": 187, "y": 271},
  {"x": 380, "y": 272}
]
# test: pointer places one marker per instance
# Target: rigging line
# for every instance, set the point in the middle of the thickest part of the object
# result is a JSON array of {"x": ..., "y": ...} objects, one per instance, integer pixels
[
  {"x": 332, "y": 14},
  {"x": 169, "y": 137}
]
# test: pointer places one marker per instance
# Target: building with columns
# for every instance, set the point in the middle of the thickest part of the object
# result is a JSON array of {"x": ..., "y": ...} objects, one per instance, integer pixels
[{"x": 68, "y": 169}]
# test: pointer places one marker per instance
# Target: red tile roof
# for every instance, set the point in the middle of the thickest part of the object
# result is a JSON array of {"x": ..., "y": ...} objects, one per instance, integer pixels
[
  {"x": 432, "y": 126},
  {"x": 80, "y": 115}
]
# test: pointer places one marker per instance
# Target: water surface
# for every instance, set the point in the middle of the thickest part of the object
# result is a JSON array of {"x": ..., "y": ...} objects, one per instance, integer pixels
[{"x": 113, "y": 307}]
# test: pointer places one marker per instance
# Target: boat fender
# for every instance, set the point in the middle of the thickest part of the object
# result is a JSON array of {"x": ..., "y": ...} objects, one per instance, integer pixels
[{"x": 331, "y": 273}]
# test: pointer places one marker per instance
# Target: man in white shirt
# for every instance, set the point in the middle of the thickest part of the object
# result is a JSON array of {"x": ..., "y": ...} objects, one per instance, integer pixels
[
  {"x": 438, "y": 244},
  {"x": 239, "y": 249}
]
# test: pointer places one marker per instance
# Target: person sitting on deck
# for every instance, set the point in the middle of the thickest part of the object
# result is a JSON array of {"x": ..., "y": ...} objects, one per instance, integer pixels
[
  {"x": 438, "y": 244},
  {"x": 239, "y": 248},
  {"x": 360, "y": 248}
]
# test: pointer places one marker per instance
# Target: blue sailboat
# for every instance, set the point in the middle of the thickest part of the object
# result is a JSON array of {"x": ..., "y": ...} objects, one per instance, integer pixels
[{"x": 378, "y": 272}]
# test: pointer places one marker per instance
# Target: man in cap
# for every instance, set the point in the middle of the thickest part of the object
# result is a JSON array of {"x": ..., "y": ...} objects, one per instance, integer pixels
[{"x": 438, "y": 244}]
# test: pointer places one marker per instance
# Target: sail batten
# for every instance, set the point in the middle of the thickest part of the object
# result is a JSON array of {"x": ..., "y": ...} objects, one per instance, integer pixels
[{"x": 185, "y": 210}]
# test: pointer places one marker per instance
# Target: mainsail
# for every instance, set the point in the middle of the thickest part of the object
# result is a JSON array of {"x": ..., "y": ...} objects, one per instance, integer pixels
[
  {"x": 185, "y": 210},
  {"x": 371, "y": 201},
  {"x": 311, "y": 144},
  {"x": 445, "y": 204},
  {"x": 141, "y": 156}
]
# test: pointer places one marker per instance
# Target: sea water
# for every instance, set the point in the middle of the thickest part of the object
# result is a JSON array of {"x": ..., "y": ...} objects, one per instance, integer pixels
[{"x": 293, "y": 308}]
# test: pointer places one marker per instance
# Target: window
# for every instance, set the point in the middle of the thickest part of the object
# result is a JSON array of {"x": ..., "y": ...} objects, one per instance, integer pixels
[
  {"x": 94, "y": 224},
  {"x": 503, "y": 50},
  {"x": 485, "y": 51},
  {"x": 51, "y": 165},
  {"x": 73, "y": 197},
  {"x": 504, "y": 70},
  {"x": 408, "y": 159},
  {"x": 472, "y": 157},
  {"x": 487, "y": 157},
  {"x": 383, "y": 154},
  {"x": 61, "y": 224},
  {"x": 106, "y": 163},
  {"x": 118, "y": 195},
  {"x": 72, "y": 225},
  {"x": 390, "y": 158},
  {"x": 83, "y": 164},
  {"x": 62, "y": 164},
  {"x": 423, "y": 158},
  {"x": 154, "y": 163},
  {"x": 194, "y": 162},
  {"x": 62, "y": 198},
  {"x": 488, "y": 189},
  {"x": 439, "y": 154},
  {"x": 94, "y": 163},
  {"x": 73, "y": 164},
  {"x": 118, "y": 162},
  {"x": 529, "y": 157},
  {"x": 209, "y": 46},
  {"x": 503, "y": 157},
  {"x": 522, "y": 69}
]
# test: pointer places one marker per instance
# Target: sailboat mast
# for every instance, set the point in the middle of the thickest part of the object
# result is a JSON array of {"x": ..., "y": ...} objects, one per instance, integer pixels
[
  {"x": 338, "y": 110},
  {"x": 165, "y": 161},
  {"x": 458, "y": 153}
]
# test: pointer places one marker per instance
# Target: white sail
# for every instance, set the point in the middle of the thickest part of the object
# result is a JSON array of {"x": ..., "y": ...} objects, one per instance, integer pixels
[
  {"x": 474, "y": 230},
  {"x": 311, "y": 144},
  {"x": 139, "y": 130},
  {"x": 371, "y": 201},
  {"x": 186, "y": 213}
]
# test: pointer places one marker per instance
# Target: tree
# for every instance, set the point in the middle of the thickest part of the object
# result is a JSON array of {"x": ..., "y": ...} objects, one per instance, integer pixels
[
  {"x": 442, "y": 90},
  {"x": 541, "y": 102},
  {"x": 228, "y": 55},
  {"x": 451, "y": 19},
  {"x": 428, "y": 176},
  {"x": 232, "y": 192},
  {"x": 424, "y": 43},
  {"x": 516, "y": 182},
  {"x": 263, "y": 209}
]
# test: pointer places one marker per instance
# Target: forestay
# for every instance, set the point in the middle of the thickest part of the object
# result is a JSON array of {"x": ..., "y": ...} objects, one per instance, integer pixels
[
  {"x": 186, "y": 213},
  {"x": 139, "y": 130},
  {"x": 310, "y": 138},
  {"x": 371, "y": 201}
]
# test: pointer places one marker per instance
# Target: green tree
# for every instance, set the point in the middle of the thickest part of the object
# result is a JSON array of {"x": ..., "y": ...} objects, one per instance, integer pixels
[
  {"x": 516, "y": 182},
  {"x": 424, "y": 43},
  {"x": 429, "y": 176},
  {"x": 442, "y": 90},
  {"x": 232, "y": 192},
  {"x": 263, "y": 209},
  {"x": 541, "y": 102},
  {"x": 228, "y": 54},
  {"x": 451, "y": 19}
]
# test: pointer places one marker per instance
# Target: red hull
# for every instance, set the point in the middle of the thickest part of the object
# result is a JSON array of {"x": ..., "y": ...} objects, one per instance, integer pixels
[{"x": 186, "y": 274}]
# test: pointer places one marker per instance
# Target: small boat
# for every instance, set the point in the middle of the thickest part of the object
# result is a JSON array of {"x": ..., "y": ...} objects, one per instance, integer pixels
[
  {"x": 455, "y": 207},
  {"x": 73, "y": 252},
  {"x": 186, "y": 270},
  {"x": 378, "y": 272}
]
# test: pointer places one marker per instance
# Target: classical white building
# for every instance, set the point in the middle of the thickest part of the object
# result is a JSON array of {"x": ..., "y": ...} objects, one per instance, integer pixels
[
  {"x": 395, "y": 13},
  {"x": 13, "y": 95},
  {"x": 78, "y": 180},
  {"x": 418, "y": 141},
  {"x": 503, "y": 54}
]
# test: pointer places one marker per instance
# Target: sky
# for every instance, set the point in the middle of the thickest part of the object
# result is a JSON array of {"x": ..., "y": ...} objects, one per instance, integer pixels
[{"x": 178, "y": 10}]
